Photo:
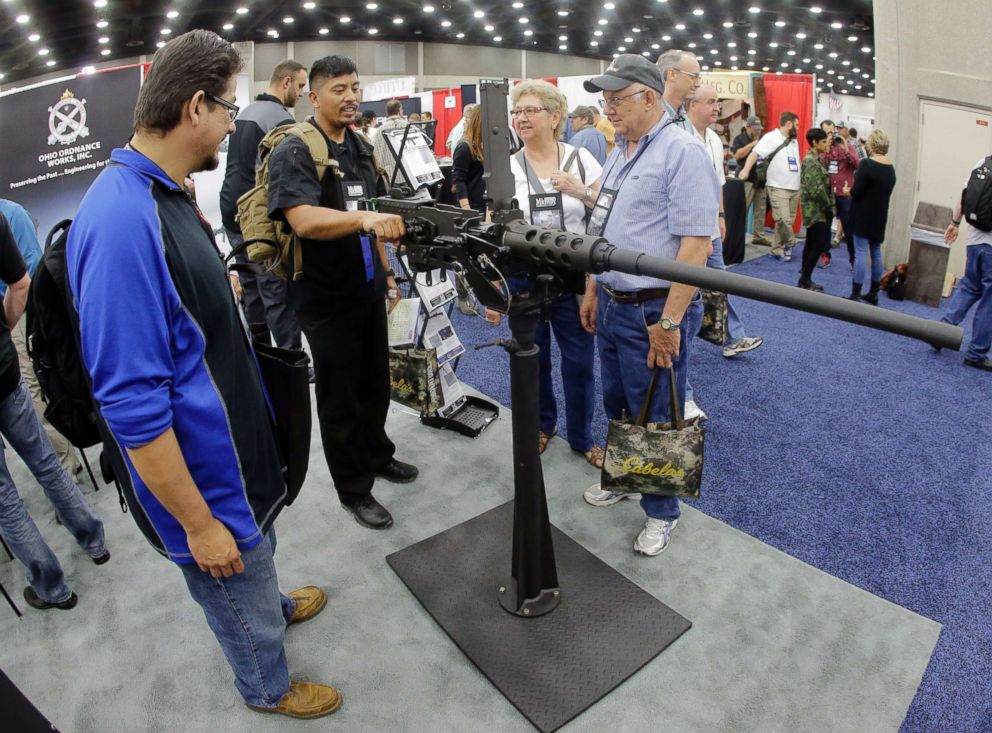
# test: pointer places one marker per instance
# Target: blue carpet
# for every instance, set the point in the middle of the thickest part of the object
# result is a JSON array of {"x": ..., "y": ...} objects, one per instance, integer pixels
[{"x": 862, "y": 453}]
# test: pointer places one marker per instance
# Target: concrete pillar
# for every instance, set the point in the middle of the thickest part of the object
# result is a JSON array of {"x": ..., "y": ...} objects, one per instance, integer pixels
[{"x": 925, "y": 50}]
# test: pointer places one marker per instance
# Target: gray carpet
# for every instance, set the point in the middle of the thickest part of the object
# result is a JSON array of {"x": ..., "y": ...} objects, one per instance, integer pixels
[{"x": 776, "y": 645}]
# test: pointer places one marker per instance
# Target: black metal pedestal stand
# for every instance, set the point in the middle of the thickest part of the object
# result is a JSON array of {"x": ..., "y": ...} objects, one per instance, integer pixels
[{"x": 532, "y": 590}]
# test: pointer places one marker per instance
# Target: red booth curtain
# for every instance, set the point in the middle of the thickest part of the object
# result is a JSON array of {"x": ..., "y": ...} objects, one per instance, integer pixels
[
  {"x": 447, "y": 118},
  {"x": 790, "y": 93}
]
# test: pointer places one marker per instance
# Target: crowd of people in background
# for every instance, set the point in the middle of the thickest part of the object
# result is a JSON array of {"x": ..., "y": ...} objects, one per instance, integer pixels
[{"x": 179, "y": 390}]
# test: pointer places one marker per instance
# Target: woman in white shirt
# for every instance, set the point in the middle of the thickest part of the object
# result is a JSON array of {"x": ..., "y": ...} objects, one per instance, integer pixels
[{"x": 548, "y": 196}]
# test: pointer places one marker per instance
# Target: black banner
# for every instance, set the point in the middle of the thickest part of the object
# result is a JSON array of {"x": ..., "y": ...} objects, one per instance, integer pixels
[{"x": 56, "y": 138}]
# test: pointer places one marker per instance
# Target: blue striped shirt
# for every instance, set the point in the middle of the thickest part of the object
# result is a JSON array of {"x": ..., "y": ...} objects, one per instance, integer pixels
[{"x": 667, "y": 191}]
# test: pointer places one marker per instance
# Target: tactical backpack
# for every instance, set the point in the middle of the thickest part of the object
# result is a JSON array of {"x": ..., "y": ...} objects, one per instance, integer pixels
[
  {"x": 54, "y": 347},
  {"x": 270, "y": 243},
  {"x": 976, "y": 201}
]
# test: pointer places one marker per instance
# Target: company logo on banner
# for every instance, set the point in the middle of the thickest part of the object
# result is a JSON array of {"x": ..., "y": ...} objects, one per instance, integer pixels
[
  {"x": 67, "y": 120},
  {"x": 730, "y": 85},
  {"x": 58, "y": 137}
]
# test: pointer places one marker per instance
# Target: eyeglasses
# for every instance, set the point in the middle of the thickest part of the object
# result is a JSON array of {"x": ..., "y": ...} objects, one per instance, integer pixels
[
  {"x": 232, "y": 109},
  {"x": 689, "y": 73},
  {"x": 614, "y": 102},
  {"x": 527, "y": 111}
]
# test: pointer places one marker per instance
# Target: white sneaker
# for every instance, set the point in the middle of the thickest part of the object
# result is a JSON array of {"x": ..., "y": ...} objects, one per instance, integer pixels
[
  {"x": 655, "y": 537},
  {"x": 691, "y": 411},
  {"x": 742, "y": 345},
  {"x": 596, "y": 496}
]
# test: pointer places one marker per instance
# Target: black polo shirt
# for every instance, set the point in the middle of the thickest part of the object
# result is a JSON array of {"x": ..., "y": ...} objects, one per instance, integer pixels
[
  {"x": 740, "y": 141},
  {"x": 12, "y": 269},
  {"x": 334, "y": 271}
]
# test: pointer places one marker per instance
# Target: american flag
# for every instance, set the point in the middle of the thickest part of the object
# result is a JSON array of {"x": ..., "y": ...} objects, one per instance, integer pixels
[{"x": 833, "y": 101}]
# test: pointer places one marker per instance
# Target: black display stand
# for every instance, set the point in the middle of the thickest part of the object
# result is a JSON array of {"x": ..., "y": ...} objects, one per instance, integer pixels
[
  {"x": 552, "y": 638},
  {"x": 563, "y": 628}
]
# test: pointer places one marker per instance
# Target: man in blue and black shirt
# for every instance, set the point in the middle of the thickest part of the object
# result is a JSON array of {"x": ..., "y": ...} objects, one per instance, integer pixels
[{"x": 174, "y": 376}]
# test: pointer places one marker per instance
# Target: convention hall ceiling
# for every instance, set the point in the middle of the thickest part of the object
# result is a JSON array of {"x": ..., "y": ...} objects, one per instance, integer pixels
[{"x": 831, "y": 38}]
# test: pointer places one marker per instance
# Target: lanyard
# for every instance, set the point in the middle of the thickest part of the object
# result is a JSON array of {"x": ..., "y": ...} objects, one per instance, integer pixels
[{"x": 636, "y": 157}]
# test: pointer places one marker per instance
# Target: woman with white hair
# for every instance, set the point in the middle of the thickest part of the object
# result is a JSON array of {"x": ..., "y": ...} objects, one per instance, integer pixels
[
  {"x": 873, "y": 183},
  {"x": 554, "y": 181}
]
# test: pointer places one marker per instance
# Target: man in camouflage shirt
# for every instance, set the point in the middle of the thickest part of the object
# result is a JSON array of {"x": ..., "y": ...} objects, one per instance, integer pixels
[{"x": 818, "y": 205}]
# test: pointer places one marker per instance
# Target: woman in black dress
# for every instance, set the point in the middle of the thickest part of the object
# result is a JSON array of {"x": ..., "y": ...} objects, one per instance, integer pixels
[{"x": 873, "y": 183}]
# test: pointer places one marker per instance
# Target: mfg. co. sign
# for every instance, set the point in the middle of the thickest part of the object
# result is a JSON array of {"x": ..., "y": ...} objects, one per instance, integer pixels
[{"x": 730, "y": 85}]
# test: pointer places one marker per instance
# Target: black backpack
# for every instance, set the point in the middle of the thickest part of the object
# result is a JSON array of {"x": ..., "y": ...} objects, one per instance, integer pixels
[
  {"x": 976, "y": 201},
  {"x": 54, "y": 346}
]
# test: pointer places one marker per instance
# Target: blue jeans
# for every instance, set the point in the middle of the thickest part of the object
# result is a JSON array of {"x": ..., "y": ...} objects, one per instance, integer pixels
[
  {"x": 862, "y": 247},
  {"x": 622, "y": 336},
  {"x": 20, "y": 426},
  {"x": 248, "y": 615},
  {"x": 578, "y": 381},
  {"x": 975, "y": 287},
  {"x": 577, "y": 353}
]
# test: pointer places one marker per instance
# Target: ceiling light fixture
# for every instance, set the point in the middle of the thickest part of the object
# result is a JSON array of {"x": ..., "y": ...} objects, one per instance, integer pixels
[
  {"x": 324, "y": 31},
  {"x": 242, "y": 11},
  {"x": 172, "y": 14},
  {"x": 22, "y": 19},
  {"x": 754, "y": 10},
  {"x": 228, "y": 26}
]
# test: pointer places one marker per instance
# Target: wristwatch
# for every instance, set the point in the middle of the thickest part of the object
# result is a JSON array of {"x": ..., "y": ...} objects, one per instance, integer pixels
[
  {"x": 956, "y": 223},
  {"x": 588, "y": 194},
  {"x": 667, "y": 324},
  {"x": 390, "y": 273}
]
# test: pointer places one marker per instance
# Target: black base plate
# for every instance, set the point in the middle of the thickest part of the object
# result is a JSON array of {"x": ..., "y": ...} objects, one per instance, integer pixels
[{"x": 554, "y": 667}]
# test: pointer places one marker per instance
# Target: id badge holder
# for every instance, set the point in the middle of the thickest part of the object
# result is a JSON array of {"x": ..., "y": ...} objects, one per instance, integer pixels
[
  {"x": 601, "y": 211},
  {"x": 547, "y": 210},
  {"x": 832, "y": 170},
  {"x": 793, "y": 164},
  {"x": 354, "y": 195}
]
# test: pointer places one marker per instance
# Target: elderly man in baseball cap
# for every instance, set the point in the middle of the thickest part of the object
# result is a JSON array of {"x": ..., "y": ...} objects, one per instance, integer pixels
[
  {"x": 658, "y": 195},
  {"x": 585, "y": 135}
]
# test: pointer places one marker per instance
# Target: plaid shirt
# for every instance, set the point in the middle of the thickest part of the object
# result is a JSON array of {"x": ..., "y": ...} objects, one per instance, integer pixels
[{"x": 814, "y": 191}]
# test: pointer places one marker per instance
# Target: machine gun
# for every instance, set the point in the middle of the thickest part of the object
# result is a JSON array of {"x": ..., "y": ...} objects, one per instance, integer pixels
[{"x": 451, "y": 238}]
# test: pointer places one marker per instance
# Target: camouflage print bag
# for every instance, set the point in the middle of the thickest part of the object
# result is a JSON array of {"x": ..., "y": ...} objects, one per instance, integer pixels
[
  {"x": 654, "y": 458},
  {"x": 415, "y": 379},
  {"x": 714, "y": 328}
]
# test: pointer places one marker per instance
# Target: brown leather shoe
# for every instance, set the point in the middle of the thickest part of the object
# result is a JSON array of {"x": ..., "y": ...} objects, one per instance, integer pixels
[
  {"x": 305, "y": 700},
  {"x": 310, "y": 600}
]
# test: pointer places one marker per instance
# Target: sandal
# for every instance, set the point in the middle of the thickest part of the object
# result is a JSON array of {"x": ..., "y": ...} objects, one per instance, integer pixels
[
  {"x": 543, "y": 439},
  {"x": 594, "y": 456}
]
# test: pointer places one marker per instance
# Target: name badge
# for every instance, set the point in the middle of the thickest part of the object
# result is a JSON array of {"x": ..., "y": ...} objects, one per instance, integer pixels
[
  {"x": 547, "y": 210},
  {"x": 832, "y": 168},
  {"x": 354, "y": 196},
  {"x": 601, "y": 211},
  {"x": 793, "y": 164}
]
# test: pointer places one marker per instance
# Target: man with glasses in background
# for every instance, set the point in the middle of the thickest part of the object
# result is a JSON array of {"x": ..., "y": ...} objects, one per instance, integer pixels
[
  {"x": 642, "y": 322},
  {"x": 682, "y": 75}
]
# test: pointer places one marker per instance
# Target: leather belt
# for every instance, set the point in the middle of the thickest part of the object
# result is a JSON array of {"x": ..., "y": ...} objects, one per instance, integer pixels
[{"x": 636, "y": 296}]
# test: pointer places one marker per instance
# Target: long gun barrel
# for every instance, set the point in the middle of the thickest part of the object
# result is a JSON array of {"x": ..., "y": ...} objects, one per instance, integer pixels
[{"x": 594, "y": 254}]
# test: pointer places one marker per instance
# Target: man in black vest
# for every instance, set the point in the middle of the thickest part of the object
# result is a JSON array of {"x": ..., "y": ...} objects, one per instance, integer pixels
[
  {"x": 345, "y": 279},
  {"x": 264, "y": 294}
]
